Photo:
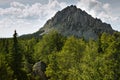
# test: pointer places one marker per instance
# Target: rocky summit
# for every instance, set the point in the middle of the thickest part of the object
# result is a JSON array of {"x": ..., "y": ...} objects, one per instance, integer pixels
[{"x": 74, "y": 21}]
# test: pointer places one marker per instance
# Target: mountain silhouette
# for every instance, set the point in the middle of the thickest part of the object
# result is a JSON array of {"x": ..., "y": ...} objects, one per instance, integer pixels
[{"x": 72, "y": 21}]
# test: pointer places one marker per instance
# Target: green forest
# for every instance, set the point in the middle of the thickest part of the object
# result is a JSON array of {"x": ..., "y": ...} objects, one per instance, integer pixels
[{"x": 66, "y": 58}]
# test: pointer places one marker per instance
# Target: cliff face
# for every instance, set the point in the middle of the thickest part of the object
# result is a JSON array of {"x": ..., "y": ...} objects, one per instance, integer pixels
[{"x": 74, "y": 21}]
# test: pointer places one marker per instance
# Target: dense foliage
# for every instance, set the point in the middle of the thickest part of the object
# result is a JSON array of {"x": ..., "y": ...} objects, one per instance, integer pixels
[{"x": 67, "y": 58}]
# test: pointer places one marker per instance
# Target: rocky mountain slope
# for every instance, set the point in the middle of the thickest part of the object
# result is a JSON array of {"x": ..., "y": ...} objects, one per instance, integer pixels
[{"x": 73, "y": 21}]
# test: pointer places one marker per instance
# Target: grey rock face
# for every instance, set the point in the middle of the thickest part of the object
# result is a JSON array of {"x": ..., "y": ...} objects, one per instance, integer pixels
[
  {"x": 74, "y": 21},
  {"x": 39, "y": 69}
]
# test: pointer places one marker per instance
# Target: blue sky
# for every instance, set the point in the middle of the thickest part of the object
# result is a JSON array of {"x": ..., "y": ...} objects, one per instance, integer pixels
[{"x": 28, "y": 16}]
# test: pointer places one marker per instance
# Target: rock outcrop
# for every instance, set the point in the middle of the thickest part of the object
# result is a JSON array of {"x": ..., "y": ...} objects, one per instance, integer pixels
[
  {"x": 74, "y": 21},
  {"x": 39, "y": 69}
]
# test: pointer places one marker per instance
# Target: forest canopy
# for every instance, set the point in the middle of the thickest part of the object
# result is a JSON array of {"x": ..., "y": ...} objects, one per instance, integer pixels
[{"x": 67, "y": 58}]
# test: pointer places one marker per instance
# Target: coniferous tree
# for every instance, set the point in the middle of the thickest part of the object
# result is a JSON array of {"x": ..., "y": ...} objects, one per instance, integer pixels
[
  {"x": 5, "y": 70},
  {"x": 16, "y": 59},
  {"x": 50, "y": 43}
]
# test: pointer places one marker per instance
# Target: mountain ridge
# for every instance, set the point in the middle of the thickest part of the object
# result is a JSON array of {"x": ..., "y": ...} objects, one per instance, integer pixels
[{"x": 73, "y": 21}]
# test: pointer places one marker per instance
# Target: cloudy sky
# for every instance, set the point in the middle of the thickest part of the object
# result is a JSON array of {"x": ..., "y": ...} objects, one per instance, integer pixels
[{"x": 28, "y": 16}]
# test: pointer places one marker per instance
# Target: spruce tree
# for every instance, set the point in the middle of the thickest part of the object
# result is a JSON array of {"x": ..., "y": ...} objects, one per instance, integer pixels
[{"x": 16, "y": 59}]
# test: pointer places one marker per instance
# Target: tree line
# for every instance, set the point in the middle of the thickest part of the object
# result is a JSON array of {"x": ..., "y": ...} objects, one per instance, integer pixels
[{"x": 67, "y": 58}]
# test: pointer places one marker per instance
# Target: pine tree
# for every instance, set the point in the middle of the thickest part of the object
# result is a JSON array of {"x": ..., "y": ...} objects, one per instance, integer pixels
[
  {"x": 16, "y": 59},
  {"x": 5, "y": 71}
]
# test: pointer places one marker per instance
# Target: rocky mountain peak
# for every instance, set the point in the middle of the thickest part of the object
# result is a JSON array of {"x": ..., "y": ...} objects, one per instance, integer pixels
[{"x": 74, "y": 21}]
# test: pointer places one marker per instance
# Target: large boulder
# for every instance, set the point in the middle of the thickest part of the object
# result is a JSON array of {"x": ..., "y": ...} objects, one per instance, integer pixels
[{"x": 39, "y": 69}]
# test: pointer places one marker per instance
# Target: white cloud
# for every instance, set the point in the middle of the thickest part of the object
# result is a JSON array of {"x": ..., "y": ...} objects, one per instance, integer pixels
[
  {"x": 93, "y": 7},
  {"x": 99, "y": 10},
  {"x": 8, "y": 25},
  {"x": 17, "y": 4},
  {"x": 27, "y": 18},
  {"x": 37, "y": 10}
]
